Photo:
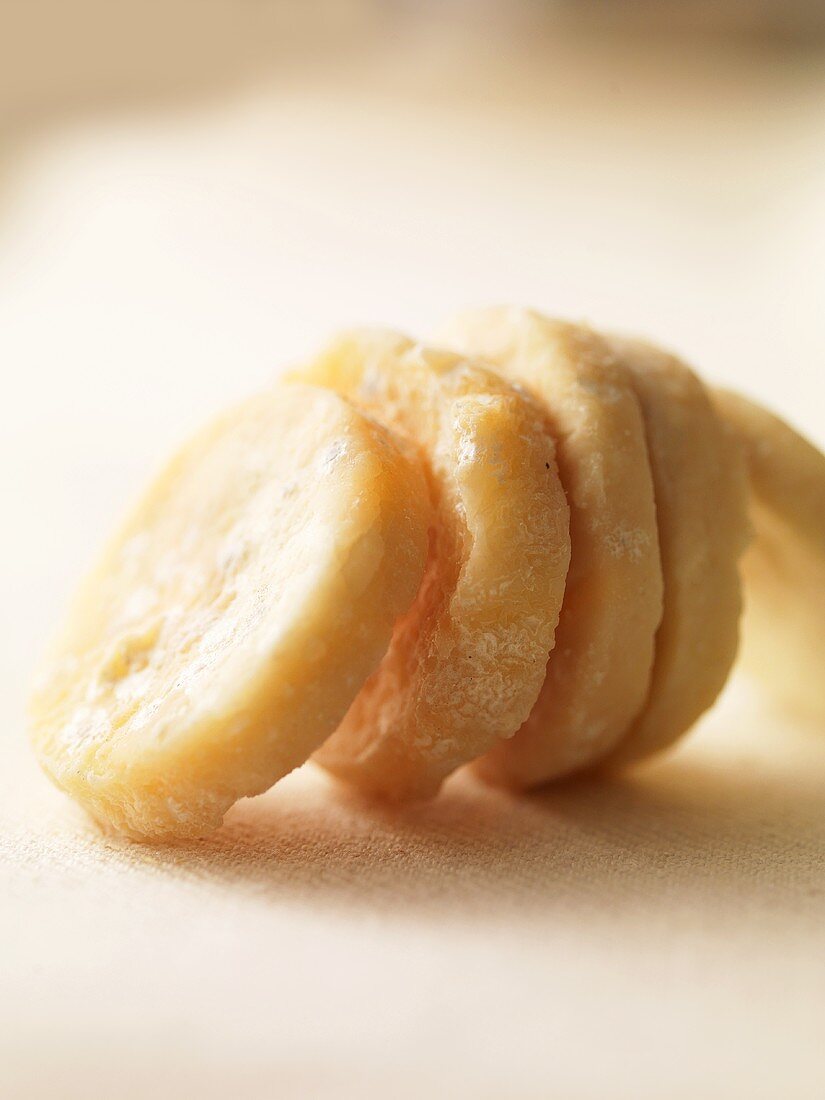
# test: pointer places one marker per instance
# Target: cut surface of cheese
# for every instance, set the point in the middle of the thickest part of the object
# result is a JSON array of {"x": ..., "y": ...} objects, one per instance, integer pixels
[
  {"x": 599, "y": 671},
  {"x": 234, "y": 617},
  {"x": 467, "y": 662},
  {"x": 700, "y": 487}
]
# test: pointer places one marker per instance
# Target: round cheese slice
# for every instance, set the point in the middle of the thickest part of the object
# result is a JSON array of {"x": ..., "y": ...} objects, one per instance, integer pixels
[
  {"x": 700, "y": 487},
  {"x": 598, "y": 674},
  {"x": 467, "y": 662},
  {"x": 235, "y": 616}
]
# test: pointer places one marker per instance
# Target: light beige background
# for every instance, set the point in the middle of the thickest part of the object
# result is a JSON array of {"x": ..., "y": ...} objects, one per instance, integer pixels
[{"x": 179, "y": 222}]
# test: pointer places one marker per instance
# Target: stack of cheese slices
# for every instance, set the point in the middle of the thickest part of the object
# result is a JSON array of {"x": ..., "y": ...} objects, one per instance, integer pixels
[{"x": 517, "y": 548}]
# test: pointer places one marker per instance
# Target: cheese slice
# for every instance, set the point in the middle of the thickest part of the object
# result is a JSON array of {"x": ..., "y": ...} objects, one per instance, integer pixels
[
  {"x": 467, "y": 662},
  {"x": 598, "y": 674},
  {"x": 235, "y": 616}
]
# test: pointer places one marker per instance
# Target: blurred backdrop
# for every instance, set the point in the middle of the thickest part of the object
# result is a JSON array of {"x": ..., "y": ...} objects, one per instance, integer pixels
[{"x": 195, "y": 192}]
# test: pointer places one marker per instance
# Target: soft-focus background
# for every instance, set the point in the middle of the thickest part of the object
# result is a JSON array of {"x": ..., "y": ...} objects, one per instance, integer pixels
[{"x": 193, "y": 193}]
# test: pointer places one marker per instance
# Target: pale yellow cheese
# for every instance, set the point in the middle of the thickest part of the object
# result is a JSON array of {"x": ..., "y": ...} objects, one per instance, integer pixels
[
  {"x": 700, "y": 488},
  {"x": 235, "y": 616},
  {"x": 377, "y": 576},
  {"x": 599, "y": 671}
]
